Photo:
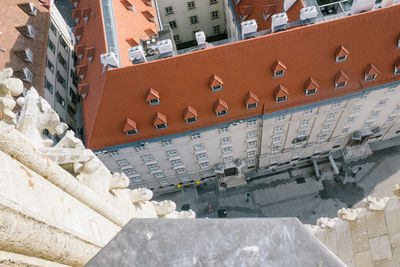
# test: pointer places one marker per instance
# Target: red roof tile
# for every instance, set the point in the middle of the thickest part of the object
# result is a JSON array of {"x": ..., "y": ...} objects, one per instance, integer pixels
[{"x": 184, "y": 79}]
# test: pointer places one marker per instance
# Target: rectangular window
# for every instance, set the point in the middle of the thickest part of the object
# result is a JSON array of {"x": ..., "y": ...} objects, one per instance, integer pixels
[
  {"x": 225, "y": 140},
  {"x": 301, "y": 134},
  {"x": 222, "y": 113},
  {"x": 63, "y": 43},
  {"x": 227, "y": 150},
  {"x": 374, "y": 114},
  {"x": 129, "y": 171},
  {"x": 49, "y": 86},
  {"x": 199, "y": 147},
  {"x": 252, "y": 144},
  {"x": 340, "y": 84},
  {"x": 216, "y": 29},
  {"x": 278, "y": 129},
  {"x": 382, "y": 102},
  {"x": 357, "y": 108},
  {"x": 273, "y": 160},
  {"x": 53, "y": 28},
  {"x": 279, "y": 73},
  {"x": 191, "y": 5},
  {"x": 114, "y": 153},
  {"x": 136, "y": 179},
  {"x": 166, "y": 143},
  {"x": 193, "y": 20},
  {"x": 51, "y": 46},
  {"x": 159, "y": 175},
  {"x": 147, "y": 157},
  {"x": 251, "y": 164},
  {"x": 296, "y": 155},
  {"x": 172, "y": 24},
  {"x": 207, "y": 173},
  {"x": 281, "y": 118},
  {"x": 61, "y": 79},
  {"x": 335, "y": 106},
  {"x": 276, "y": 140},
  {"x": 281, "y": 99},
  {"x": 252, "y": 134},
  {"x": 62, "y": 61},
  {"x": 345, "y": 130},
  {"x": 204, "y": 165},
  {"x": 326, "y": 128},
  {"x": 180, "y": 170},
  {"x": 224, "y": 130},
  {"x": 251, "y": 106},
  {"x": 153, "y": 166},
  {"x": 322, "y": 138},
  {"x": 370, "y": 77},
  {"x": 140, "y": 148},
  {"x": 305, "y": 123},
  {"x": 213, "y": 2},
  {"x": 172, "y": 153},
  {"x": 50, "y": 65},
  {"x": 214, "y": 14},
  {"x": 251, "y": 153},
  {"x": 252, "y": 123},
  {"x": 177, "y": 39},
  {"x": 122, "y": 162},
  {"x": 163, "y": 182},
  {"x": 350, "y": 120},
  {"x": 60, "y": 100},
  {"x": 184, "y": 178},
  {"x": 311, "y": 91},
  {"x": 308, "y": 112},
  {"x": 298, "y": 144},
  {"x": 201, "y": 156},
  {"x": 195, "y": 136},
  {"x": 275, "y": 149},
  {"x": 331, "y": 116},
  {"x": 168, "y": 10},
  {"x": 176, "y": 162},
  {"x": 228, "y": 159}
]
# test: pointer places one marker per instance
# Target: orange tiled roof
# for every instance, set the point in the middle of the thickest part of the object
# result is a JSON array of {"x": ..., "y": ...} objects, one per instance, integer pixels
[
  {"x": 185, "y": 79},
  {"x": 262, "y": 10}
]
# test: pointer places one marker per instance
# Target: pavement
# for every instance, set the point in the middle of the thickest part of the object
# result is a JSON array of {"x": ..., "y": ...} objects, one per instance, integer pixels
[{"x": 297, "y": 192}]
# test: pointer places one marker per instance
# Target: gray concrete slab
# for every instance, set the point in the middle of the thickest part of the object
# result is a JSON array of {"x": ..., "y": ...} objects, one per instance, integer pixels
[{"x": 273, "y": 242}]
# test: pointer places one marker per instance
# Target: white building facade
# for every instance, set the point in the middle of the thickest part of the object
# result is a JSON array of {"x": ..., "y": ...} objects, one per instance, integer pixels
[
  {"x": 61, "y": 80},
  {"x": 188, "y": 17},
  {"x": 255, "y": 146}
]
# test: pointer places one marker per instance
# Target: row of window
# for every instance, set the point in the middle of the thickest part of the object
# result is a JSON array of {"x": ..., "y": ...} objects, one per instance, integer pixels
[
  {"x": 190, "y": 5},
  {"x": 194, "y": 20},
  {"x": 216, "y": 30}
]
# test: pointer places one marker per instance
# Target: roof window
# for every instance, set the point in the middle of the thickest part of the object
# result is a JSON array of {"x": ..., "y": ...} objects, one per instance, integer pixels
[
  {"x": 86, "y": 14},
  {"x": 130, "y": 127},
  {"x": 83, "y": 89},
  {"x": 148, "y": 2},
  {"x": 76, "y": 15},
  {"x": 221, "y": 108},
  {"x": 341, "y": 79},
  {"x": 370, "y": 72},
  {"x": 148, "y": 16},
  {"x": 25, "y": 54},
  {"x": 398, "y": 42},
  {"x": 27, "y": 31},
  {"x": 281, "y": 94},
  {"x": 75, "y": 3},
  {"x": 90, "y": 52},
  {"x": 160, "y": 121},
  {"x": 78, "y": 31},
  {"x": 311, "y": 86},
  {"x": 216, "y": 83},
  {"x": 81, "y": 70},
  {"x": 397, "y": 66},
  {"x": 29, "y": 8},
  {"x": 251, "y": 100},
  {"x": 341, "y": 54},
  {"x": 278, "y": 69},
  {"x": 128, "y": 4},
  {"x": 24, "y": 74},
  {"x": 153, "y": 97},
  {"x": 132, "y": 42},
  {"x": 190, "y": 115},
  {"x": 79, "y": 51}
]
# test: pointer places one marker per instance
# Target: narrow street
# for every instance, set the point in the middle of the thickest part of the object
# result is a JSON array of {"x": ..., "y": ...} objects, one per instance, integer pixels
[{"x": 295, "y": 192}]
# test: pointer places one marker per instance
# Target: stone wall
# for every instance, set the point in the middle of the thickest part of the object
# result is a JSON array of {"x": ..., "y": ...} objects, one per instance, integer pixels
[{"x": 59, "y": 205}]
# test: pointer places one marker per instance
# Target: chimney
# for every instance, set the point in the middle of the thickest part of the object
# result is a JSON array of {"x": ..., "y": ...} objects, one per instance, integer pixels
[
  {"x": 201, "y": 39},
  {"x": 109, "y": 60},
  {"x": 308, "y": 14},
  {"x": 165, "y": 48},
  {"x": 249, "y": 29},
  {"x": 136, "y": 54},
  {"x": 279, "y": 22},
  {"x": 361, "y": 6}
]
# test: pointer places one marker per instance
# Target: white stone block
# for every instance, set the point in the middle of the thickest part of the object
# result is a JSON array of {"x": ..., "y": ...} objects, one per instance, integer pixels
[
  {"x": 359, "y": 235},
  {"x": 380, "y": 248},
  {"x": 376, "y": 223},
  {"x": 344, "y": 242},
  {"x": 363, "y": 259},
  {"x": 392, "y": 216}
]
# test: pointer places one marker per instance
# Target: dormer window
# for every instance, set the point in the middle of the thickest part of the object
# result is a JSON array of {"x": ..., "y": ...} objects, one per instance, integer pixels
[
  {"x": 281, "y": 94},
  {"x": 311, "y": 86},
  {"x": 370, "y": 72},
  {"x": 128, "y": 4},
  {"x": 76, "y": 15},
  {"x": 398, "y": 42},
  {"x": 78, "y": 31},
  {"x": 86, "y": 14},
  {"x": 27, "y": 31},
  {"x": 221, "y": 108},
  {"x": 153, "y": 97},
  {"x": 216, "y": 83},
  {"x": 148, "y": 16},
  {"x": 341, "y": 79},
  {"x": 29, "y": 8},
  {"x": 25, "y": 54},
  {"x": 251, "y": 100},
  {"x": 341, "y": 54},
  {"x": 160, "y": 121},
  {"x": 278, "y": 69},
  {"x": 24, "y": 74},
  {"x": 190, "y": 115},
  {"x": 397, "y": 66},
  {"x": 90, "y": 53},
  {"x": 130, "y": 127}
]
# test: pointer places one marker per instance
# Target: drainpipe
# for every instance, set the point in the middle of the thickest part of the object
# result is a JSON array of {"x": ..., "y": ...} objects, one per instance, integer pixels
[
  {"x": 314, "y": 161},
  {"x": 333, "y": 164}
]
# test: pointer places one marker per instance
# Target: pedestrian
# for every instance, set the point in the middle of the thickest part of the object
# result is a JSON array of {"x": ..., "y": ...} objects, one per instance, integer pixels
[
  {"x": 248, "y": 197},
  {"x": 210, "y": 209}
]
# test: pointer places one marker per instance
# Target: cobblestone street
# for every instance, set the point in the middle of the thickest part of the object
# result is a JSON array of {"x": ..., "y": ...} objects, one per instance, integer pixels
[{"x": 296, "y": 191}]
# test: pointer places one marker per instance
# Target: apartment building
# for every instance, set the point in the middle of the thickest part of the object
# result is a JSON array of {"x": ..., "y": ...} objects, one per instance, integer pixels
[
  {"x": 39, "y": 46},
  {"x": 188, "y": 17},
  {"x": 232, "y": 111},
  {"x": 61, "y": 79}
]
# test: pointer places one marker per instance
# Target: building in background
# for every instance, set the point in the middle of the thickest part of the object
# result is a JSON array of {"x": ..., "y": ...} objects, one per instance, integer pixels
[
  {"x": 294, "y": 93},
  {"x": 188, "y": 17},
  {"x": 38, "y": 44}
]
